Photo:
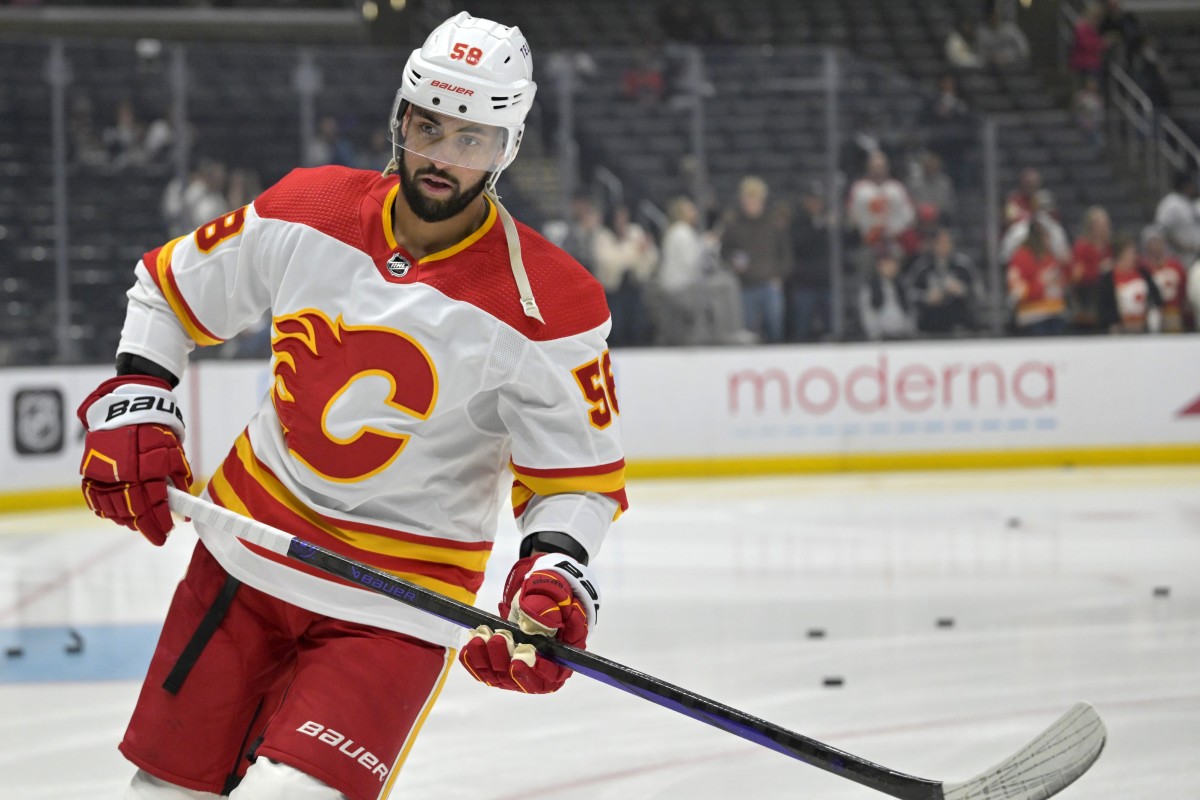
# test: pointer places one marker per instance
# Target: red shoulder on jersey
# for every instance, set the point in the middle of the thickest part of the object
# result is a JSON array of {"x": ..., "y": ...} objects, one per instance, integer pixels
[
  {"x": 325, "y": 198},
  {"x": 570, "y": 299}
]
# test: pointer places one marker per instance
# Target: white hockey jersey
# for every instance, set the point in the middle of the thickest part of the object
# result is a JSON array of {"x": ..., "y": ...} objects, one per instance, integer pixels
[{"x": 404, "y": 390}]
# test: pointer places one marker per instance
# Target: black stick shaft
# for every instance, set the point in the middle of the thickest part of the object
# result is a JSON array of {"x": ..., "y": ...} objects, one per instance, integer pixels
[{"x": 754, "y": 729}]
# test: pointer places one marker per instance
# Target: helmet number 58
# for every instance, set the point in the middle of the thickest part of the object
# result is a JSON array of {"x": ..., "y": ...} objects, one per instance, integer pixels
[{"x": 461, "y": 52}]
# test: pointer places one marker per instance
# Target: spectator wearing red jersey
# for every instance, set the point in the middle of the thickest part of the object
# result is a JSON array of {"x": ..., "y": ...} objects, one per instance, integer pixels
[
  {"x": 1091, "y": 257},
  {"x": 880, "y": 210},
  {"x": 1130, "y": 301},
  {"x": 1087, "y": 46},
  {"x": 1019, "y": 204},
  {"x": 1171, "y": 279},
  {"x": 1036, "y": 287}
]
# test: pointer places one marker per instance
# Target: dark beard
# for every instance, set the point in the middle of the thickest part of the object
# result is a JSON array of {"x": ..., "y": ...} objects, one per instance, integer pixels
[{"x": 430, "y": 210}]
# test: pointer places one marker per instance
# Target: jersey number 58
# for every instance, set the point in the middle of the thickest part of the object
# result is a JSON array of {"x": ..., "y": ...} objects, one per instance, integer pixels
[{"x": 595, "y": 379}]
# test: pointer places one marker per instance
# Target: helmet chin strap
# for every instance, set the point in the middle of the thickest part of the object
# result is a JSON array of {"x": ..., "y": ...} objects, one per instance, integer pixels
[{"x": 514, "y": 255}]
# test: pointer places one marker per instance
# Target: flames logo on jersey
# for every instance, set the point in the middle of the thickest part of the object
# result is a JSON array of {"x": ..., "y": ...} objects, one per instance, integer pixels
[{"x": 345, "y": 394}]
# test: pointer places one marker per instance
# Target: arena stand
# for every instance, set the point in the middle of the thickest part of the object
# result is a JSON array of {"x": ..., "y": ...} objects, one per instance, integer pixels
[{"x": 242, "y": 108}]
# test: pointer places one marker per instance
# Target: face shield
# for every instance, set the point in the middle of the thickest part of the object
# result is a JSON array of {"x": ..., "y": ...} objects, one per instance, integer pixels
[{"x": 445, "y": 139}]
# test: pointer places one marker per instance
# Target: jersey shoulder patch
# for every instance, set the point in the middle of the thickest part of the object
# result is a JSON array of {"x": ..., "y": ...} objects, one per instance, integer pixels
[{"x": 325, "y": 198}]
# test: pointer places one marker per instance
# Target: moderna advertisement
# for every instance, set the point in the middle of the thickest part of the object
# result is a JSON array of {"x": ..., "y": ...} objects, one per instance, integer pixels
[{"x": 910, "y": 397}]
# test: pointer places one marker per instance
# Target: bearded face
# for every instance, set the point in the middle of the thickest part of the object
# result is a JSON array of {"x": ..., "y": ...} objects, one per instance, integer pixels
[{"x": 434, "y": 194}]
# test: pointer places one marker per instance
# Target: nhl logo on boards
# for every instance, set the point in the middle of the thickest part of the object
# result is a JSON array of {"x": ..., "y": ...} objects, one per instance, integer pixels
[{"x": 398, "y": 266}]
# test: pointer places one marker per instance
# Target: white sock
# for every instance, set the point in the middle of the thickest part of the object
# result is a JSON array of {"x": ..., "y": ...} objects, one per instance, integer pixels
[
  {"x": 270, "y": 780},
  {"x": 145, "y": 786}
]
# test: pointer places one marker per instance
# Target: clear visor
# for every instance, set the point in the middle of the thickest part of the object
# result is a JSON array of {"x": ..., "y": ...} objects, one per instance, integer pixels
[{"x": 444, "y": 139}]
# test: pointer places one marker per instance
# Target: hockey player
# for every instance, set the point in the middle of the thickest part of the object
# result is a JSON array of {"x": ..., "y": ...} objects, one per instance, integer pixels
[{"x": 425, "y": 345}]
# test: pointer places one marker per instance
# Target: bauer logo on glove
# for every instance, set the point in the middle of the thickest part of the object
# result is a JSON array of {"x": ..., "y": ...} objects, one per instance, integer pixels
[
  {"x": 134, "y": 445},
  {"x": 551, "y": 595}
]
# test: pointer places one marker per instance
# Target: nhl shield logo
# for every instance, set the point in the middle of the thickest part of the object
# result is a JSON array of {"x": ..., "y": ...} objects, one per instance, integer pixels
[{"x": 398, "y": 266}]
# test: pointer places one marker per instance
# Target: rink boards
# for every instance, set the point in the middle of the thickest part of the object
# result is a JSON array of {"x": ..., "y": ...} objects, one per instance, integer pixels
[{"x": 913, "y": 405}]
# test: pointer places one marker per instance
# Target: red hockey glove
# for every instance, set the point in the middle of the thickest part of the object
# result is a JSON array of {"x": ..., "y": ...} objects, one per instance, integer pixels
[
  {"x": 549, "y": 595},
  {"x": 134, "y": 445}
]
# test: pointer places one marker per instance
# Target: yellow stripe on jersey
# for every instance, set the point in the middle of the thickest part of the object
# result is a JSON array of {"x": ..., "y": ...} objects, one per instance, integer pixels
[
  {"x": 602, "y": 483},
  {"x": 467, "y": 242},
  {"x": 521, "y": 494},
  {"x": 388, "y": 232},
  {"x": 163, "y": 270},
  {"x": 475, "y": 560},
  {"x": 230, "y": 499}
]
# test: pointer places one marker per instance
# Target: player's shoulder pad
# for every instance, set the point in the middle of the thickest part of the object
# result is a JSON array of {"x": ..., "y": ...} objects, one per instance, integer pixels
[
  {"x": 570, "y": 298},
  {"x": 325, "y": 198}
]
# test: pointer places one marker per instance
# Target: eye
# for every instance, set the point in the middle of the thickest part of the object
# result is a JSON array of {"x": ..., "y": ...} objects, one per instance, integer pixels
[
  {"x": 469, "y": 141},
  {"x": 429, "y": 129}
]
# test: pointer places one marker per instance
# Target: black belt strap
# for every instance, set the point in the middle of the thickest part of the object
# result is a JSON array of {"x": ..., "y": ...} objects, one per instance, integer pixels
[{"x": 204, "y": 631}]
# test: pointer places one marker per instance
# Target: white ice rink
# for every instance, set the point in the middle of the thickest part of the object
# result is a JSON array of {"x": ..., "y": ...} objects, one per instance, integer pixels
[{"x": 1049, "y": 577}]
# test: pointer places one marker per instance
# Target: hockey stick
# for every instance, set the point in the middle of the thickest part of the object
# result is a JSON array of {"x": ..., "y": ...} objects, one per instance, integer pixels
[{"x": 1044, "y": 767}]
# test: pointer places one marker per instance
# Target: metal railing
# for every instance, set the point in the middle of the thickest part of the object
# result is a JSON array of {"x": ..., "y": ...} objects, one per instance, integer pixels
[{"x": 1152, "y": 143}]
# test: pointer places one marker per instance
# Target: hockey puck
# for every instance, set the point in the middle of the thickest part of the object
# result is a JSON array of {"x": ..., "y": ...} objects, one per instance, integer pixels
[
  {"x": 816, "y": 633},
  {"x": 14, "y": 652},
  {"x": 945, "y": 622},
  {"x": 833, "y": 680},
  {"x": 1014, "y": 522},
  {"x": 1162, "y": 591}
]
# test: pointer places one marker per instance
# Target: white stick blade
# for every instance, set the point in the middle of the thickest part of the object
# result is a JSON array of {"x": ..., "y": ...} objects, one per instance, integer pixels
[{"x": 1045, "y": 766}]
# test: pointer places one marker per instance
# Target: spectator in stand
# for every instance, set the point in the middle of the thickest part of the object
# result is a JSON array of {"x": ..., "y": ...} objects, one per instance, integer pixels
[
  {"x": 809, "y": 286},
  {"x": 1019, "y": 204},
  {"x": 329, "y": 146},
  {"x": 1042, "y": 210},
  {"x": 951, "y": 130},
  {"x": 1086, "y": 57},
  {"x": 883, "y": 307},
  {"x": 700, "y": 301},
  {"x": 583, "y": 226},
  {"x": 87, "y": 146},
  {"x": 242, "y": 188},
  {"x": 874, "y": 132},
  {"x": 1036, "y": 287},
  {"x": 960, "y": 45},
  {"x": 1091, "y": 258},
  {"x": 1129, "y": 301},
  {"x": 625, "y": 257},
  {"x": 124, "y": 138},
  {"x": 1001, "y": 43},
  {"x": 1088, "y": 107},
  {"x": 185, "y": 207},
  {"x": 1121, "y": 29},
  {"x": 1145, "y": 68},
  {"x": 929, "y": 185},
  {"x": 760, "y": 253},
  {"x": 644, "y": 79},
  {"x": 1171, "y": 279},
  {"x": 944, "y": 288},
  {"x": 880, "y": 211},
  {"x": 1179, "y": 218},
  {"x": 1193, "y": 294},
  {"x": 378, "y": 151}
]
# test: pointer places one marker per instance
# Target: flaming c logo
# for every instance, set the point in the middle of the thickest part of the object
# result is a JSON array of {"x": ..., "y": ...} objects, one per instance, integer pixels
[{"x": 341, "y": 391}]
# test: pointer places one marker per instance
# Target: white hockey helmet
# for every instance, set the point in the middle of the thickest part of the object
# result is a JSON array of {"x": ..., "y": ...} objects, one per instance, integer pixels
[{"x": 474, "y": 70}]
